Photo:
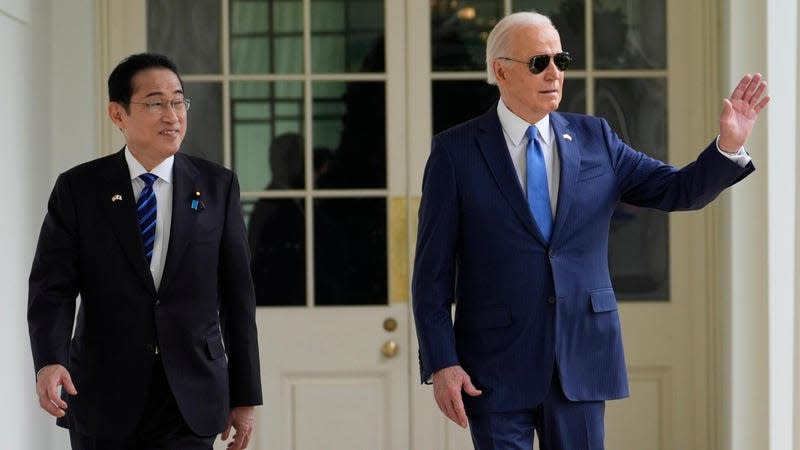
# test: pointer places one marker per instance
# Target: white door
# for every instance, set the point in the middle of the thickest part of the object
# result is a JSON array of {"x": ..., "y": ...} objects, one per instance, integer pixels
[
  {"x": 640, "y": 64},
  {"x": 304, "y": 100},
  {"x": 364, "y": 84}
]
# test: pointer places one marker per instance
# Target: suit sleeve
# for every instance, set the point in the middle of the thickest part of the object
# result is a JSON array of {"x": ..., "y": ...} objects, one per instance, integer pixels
[
  {"x": 647, "y": 182},
  {"x": 53, "y": 282},
  {"x": 435, "y": 264},
  {"x": 237, "y": 306}
]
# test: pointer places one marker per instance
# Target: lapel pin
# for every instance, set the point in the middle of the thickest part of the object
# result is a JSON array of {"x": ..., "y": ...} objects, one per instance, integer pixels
[
  {"x": 567, "y": 137},
  {"x": 116, "y": 197},
  {"x": 197, "y": 204}
]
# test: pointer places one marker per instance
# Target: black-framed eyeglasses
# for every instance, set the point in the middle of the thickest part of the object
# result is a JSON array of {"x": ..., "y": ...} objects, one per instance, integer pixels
[
  {"x": 539, "y": 63},
  {"x": 179, "y": 105}
]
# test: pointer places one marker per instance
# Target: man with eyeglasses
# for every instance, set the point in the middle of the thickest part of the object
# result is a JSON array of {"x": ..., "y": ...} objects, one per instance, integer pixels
[
  {"x": 513, "y": 229},
  {"x": 164, "y": 352}
]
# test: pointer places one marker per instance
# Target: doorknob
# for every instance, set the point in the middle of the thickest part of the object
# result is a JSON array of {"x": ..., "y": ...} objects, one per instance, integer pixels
[
  {"x": 390, "y": 324},
  {"x": 389, "y": 349}
]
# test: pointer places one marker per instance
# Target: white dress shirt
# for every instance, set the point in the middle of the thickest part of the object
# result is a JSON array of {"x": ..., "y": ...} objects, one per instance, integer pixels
[{"x": 163, "y": 190}]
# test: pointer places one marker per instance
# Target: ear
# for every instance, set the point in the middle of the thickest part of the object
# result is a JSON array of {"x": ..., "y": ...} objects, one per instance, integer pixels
[
  {"x": 117, "y": 114},
  {"x": 499, "y": 71}
]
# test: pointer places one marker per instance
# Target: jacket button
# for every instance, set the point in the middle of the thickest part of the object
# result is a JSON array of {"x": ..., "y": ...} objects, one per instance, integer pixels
[
  {"x": 158, "y": 303},
  {"x": 551, "y": 300},
  {"x": 551, "y": 253}
]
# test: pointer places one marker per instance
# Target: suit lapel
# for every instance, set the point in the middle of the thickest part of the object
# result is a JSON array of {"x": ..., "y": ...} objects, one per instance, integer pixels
[
  {"x": 495, "y": 152},
  {"x": 184, "y": 218},
  {"x": 118, "y": 204},
  {"x": 570, "y": 157}
]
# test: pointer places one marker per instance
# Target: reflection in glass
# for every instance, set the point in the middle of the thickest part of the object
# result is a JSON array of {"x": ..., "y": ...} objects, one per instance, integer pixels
[
  {"x": 266, "y": 37},
  {"x": 349, "y": 125},
  {"x": 347, "y": 36},
  {"x": 630, "y": 34},
  {"x": 204, "y": 128},
  {"x": 568, "y": 18},
  {"x": 573, "y": 96},
  {"x": 459, "y": 32},
  {"x": 276, "y": 232},
  {"x": 350, "y": 252},
  {"x": 188, "y": 31},
  {"x": 639, "y": 241},
  {"x": 456, "y": 101},
  {"x": 267, "y": 119}
]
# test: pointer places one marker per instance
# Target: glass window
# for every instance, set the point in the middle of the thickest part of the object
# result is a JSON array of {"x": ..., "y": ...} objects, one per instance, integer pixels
[
  {"x": 310, "y": 153},
  {"x": 188, "y": 31}
]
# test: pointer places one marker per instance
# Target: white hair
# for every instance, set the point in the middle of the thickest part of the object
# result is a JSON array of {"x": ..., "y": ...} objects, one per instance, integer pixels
[{"x": 500, "y": 37}]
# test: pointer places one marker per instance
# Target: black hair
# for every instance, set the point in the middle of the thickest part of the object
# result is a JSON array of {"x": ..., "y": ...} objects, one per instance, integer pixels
[{"x": 120, "y": 88}]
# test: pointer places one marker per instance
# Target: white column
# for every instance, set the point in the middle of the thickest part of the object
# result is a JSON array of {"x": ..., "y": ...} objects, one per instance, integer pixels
[
  {"x": 758, "y": 339},
  {"x": 24, "y": 129}
]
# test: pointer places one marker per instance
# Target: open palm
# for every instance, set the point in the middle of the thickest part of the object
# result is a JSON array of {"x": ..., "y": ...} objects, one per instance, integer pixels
[{"x": 740, "y": 111}]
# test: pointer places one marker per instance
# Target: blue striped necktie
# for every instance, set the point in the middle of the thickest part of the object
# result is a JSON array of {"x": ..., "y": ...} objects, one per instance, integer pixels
[
  {"x": 537, "y": 189},
  {"x": 146, "y": 211}
]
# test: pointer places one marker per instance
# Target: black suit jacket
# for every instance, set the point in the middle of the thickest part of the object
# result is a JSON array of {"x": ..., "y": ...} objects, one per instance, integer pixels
[{"x": 202, "y": 318}]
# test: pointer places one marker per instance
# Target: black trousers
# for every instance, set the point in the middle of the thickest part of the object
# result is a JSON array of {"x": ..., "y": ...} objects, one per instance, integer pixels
[{"x": 161, "y": 427}]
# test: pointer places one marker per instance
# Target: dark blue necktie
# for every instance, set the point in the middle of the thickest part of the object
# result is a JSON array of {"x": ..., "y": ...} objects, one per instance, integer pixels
[
  {"x": 537, "y": 189},
  {"x": 146, "y": 211}
]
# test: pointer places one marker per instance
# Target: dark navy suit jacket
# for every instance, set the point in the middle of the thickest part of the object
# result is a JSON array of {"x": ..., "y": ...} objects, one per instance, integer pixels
[
  {"x": 91, "y": 245},
  {"x": 524, "y": 306}
]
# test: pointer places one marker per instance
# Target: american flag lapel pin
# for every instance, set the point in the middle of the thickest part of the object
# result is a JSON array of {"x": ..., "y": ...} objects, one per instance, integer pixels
[
  {"x": 567, "y": 137},
  {"x": 116, "y": 197}
]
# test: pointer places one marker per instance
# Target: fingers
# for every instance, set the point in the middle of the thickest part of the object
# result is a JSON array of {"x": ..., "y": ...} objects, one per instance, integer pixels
[
  {"x": 227, "y": 432},
  {"x": 49, "y": 379},
  {"x": 447, "y": 386},
  {"x": 741, "y": 88},
  {"x": 762, "y": 104},
  {"x": 66, "y": 381},
  {"x": 241, "y": 439},
  {"x": 750, "y": 89},
  {"x": 460, "y": 414},
  {"x": 470, "y": 389}
]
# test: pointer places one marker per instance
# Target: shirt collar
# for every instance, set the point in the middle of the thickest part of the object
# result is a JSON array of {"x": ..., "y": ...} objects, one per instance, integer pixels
[
  {"x": 515, "y": 127},
  {"x": 163, "y": 170}
]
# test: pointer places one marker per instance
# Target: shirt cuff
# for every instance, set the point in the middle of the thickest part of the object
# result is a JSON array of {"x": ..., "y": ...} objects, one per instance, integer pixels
[{"x": 741, "y": 158}]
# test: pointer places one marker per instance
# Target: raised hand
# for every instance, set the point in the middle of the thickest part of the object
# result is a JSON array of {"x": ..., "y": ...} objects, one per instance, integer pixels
[{"x": 740, "y": 111}]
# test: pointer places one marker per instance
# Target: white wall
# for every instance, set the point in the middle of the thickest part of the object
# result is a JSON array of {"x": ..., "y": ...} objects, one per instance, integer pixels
[
  {"x": 759, "y": 244},
  {"x": 24, "y": 126},
  {"x": 47, "y": 123}
]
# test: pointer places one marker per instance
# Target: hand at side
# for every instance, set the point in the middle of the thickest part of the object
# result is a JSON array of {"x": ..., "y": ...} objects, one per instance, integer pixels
[
  {"x": 243, "y": 420},
  {"x": 447, "y": 386},
  {"x": 48, "y": 380}
]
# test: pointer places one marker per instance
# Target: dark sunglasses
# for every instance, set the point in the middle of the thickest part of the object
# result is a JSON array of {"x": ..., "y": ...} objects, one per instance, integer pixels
[{"x": 539, "y": 63}]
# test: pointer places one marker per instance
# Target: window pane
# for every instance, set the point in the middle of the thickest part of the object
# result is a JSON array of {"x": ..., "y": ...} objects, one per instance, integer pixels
[
  {"x": 573, "y": 96},
  {"x": 350, "y": 248},
  {"x": 187, "y": 31},
  {"x": 630, "y": 34},
  {"x": 204, "y": 130},
  {"x": 456, "y": 101},
  {"x": 276, "y": 231},
  {"x": 349, "y": 125},
  {"x": 568, "y": 18},
  {"x": 458, "y": 33},
  {"x": 639, "y": 242},
  {"x": 268, "y": 149},
  {"x": 347, "y": 36},
  {"x": 266, "y": 36}
]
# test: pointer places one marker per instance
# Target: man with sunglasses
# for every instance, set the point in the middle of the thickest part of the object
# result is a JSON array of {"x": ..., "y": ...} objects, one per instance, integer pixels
[
  {"x": 513, "y": 229},
  {"x": 164, "y": 352}
]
